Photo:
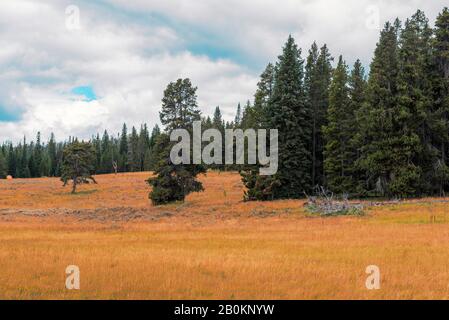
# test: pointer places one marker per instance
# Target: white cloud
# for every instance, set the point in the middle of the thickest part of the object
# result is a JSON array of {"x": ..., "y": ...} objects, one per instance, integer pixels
[
  {"x": 260, "y": 27},
  {"x": 129, "y": 50},
  {"x": 128, "y": 67}
]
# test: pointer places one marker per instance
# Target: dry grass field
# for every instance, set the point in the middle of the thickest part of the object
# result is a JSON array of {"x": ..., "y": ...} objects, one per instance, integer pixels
[{"x": 213, "y": 246}]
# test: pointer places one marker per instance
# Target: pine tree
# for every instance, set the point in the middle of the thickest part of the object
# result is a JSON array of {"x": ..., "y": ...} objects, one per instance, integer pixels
[
  {"x": 32, "y": 161},
  {"x": 238, "y": 116},
  {"x": 357, "y": 91},
  {"x": 106, "y": 159},
  {"x": 287, "y": 112},
  {"x": 98, "y": 151},
  {"x": 318, "y": 73},
  {"x": 52, "y": 156},
  {"x": 249, "y": 117},
  {"x": 12, "y": 161},
  {"x": 37, "y": 154},
  {"x": 258, "y": 188},
  {"x": 133, "y": 151},
  {"x": 24, "y": 170},
  {"x": 179, "y": 110},
  {"x": 45, "y": 166},
  {"x": 3, "y": 167},
  {"x": 179, "y": 106},
  {"x": 218, "y": 123},
  {"x": 312, "y": 95},
  {"x": 263, "y": 95},
  {"x": 152, "y": 152},
  {"x": 339, "y": 154},
  {"x": 143, "y": 145},
  {"x": 384, "y": 155},
  {"x": 123, "y": 150},
  {"x": 414, "y": 106},
  {"x": 173, "y": 182},
  {"x": 440, "y": 114},
  {"x": 78, "y": 164}
]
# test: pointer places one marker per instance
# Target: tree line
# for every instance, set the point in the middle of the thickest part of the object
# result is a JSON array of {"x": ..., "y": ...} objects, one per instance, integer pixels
[
  {"x": 124, "y": 152},
  {"x": 132, "y": 151},
  {"x": 385, "y": 133}
]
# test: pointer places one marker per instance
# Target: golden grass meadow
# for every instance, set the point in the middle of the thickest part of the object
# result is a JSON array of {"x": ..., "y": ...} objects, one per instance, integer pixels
[{"x": 213, "y": 246}]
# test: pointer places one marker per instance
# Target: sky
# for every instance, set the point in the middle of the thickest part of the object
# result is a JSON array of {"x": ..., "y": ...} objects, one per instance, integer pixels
[{"x": 80, "y": 67}]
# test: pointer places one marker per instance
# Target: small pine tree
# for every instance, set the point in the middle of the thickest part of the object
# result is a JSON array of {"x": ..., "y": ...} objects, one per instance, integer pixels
[
  {"x": 78, "y": 164},
  {"x": 173, "y": 182}
]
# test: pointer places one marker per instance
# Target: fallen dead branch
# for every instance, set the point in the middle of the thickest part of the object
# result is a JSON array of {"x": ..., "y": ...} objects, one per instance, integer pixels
[{"x": 326, "y": 204}]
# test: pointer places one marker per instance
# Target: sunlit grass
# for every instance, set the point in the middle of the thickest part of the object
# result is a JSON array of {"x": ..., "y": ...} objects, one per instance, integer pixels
[{"x": 214, "y": 246}]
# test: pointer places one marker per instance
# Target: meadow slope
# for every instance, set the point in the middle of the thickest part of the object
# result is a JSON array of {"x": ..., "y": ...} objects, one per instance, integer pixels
[{"x": 213, "y": 246}]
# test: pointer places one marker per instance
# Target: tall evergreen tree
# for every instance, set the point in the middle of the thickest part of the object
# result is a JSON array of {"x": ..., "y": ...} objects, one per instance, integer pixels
[
  {"x": 317, "y": 81},
  {"x": 133, "y": 151},
  {"x": 339, "y": 154},
  {"x": 414, "y": 106},
  {"x": 38, "y": 154},
  {"x": 123, "y": 150},
  {"x": 175, "y": 181},
  {"x": 143, "y": 145},
  {"x": 288, "y": 113},
  {"x": 107, "y": 155},
  {"x": 12, "y": 161},
  {"x": 384, "y": 155},
  {"x": 258, "y": 188},
  {"x": 98, "y": 151},
  {"x": 32, "y": 161},
  {"x": 52, "y": 156},
  {"x": 24, "y": 170},
  {"x": 440, "y": 115},
  {"x": 357, "y": 91}
]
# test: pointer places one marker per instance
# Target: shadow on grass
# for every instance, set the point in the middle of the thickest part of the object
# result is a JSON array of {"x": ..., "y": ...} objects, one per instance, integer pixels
[{"x": 78, "y": 193}]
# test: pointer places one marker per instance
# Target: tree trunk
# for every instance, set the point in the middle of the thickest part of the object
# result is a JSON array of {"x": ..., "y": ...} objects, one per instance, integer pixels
[{"x": 74, "y": 186}]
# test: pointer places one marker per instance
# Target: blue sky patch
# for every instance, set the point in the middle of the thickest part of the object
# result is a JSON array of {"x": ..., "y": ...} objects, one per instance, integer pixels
[
  {"x": 86, "y": 91},
  {"x": 7, "y": 115}
]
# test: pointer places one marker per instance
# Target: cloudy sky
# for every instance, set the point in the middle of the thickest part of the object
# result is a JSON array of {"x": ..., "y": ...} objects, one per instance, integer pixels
[{"x": 80, "y": 67}]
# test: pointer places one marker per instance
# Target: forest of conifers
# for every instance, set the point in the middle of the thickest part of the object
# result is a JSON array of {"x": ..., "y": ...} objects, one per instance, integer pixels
[{"x": 385, "y": 133}]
